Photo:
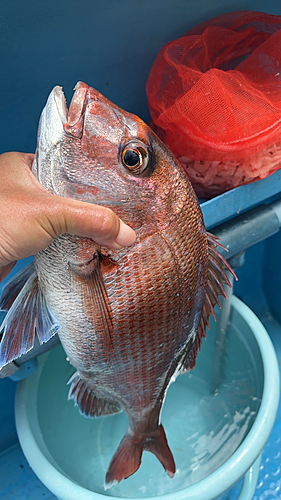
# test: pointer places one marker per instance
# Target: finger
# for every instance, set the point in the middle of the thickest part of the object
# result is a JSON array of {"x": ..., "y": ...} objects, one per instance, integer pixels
[
  {"x": 125, "y": 237},
  {"x": 89, "y": 220},
  {"x": 84, "y": 219},
  {"x": 16, "y": 160}
]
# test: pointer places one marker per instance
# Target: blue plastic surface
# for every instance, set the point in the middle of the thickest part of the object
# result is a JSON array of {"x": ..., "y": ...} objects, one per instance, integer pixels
[
  {"x": 17, "y": 480},
  {"x": 238, "y": 200},
  {"x": 269, "y": 482},
  {"x": 109, "y": 45}
]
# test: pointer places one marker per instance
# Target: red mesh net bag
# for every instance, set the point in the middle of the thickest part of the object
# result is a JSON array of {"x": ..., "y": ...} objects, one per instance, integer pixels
[{"x": 215, "y": 99}]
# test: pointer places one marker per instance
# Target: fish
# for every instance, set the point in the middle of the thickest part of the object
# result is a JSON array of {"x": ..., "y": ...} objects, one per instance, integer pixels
[{"x": 131, "y": 319}]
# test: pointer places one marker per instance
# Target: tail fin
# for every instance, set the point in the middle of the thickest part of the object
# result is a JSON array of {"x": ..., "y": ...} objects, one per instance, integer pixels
[{"x": 127, "y": 457}]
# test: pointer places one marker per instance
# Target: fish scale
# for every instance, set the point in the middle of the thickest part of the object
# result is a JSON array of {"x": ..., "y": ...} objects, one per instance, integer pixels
[
  {"x": 130, "y": 320},
  {"x": 145, "y": 325},
  {"x": 150, "y": 327}
]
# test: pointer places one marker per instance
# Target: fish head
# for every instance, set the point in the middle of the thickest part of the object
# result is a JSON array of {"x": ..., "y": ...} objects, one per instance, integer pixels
[{"x": 98, "y": 153}]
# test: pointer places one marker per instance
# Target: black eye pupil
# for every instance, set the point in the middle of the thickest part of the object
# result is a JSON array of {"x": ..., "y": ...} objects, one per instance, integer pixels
[{"x": 131, "y": 158}]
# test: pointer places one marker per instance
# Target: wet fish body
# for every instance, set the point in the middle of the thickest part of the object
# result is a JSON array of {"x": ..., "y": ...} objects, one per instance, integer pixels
[{"x": 129, "y": 320}]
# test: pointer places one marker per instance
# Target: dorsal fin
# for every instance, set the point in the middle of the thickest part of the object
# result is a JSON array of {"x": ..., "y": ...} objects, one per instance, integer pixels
[{"x": 216, "y": 279}]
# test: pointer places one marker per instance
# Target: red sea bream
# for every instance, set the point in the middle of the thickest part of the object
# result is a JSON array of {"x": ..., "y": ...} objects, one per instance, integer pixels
[{"x": 129, "y": 320}]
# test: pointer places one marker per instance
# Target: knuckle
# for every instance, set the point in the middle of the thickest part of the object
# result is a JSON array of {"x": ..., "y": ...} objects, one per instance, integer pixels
[{"x": 109, "y": 224}]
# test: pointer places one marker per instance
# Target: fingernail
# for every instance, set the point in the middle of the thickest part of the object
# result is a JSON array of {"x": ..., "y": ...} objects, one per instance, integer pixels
[{"x": 126, "y": 236}]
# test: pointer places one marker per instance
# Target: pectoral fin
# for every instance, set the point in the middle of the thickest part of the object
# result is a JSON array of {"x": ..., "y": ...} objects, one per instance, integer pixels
[
  {"x": 14, "y": 286},
  {"x": 94, "y": 298},
  {"x": 4, "y": 271},
  {"x": 28, "y": 313}
]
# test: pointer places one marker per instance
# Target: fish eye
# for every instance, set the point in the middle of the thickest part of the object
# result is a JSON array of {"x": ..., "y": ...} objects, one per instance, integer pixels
[{"x": 135, "y": 157}]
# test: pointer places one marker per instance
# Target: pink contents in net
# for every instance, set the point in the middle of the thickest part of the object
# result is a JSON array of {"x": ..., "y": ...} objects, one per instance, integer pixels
[{"x": 215, "y": 99}]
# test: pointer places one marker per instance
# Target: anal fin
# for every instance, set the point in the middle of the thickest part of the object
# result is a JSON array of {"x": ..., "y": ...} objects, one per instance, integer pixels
[{"x": 89, "y": 405}]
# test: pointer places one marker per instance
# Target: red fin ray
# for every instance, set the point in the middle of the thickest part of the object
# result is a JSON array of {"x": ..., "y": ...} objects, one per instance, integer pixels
[
  {"x": 94, "y": 298},
  {"x": 210, "y": 305},
  {"x": 4, "y": 271},
  {"x": 127, "y": 458},
  {"x": 216, "y": 280},
  {"x": 89, "y": 405}
]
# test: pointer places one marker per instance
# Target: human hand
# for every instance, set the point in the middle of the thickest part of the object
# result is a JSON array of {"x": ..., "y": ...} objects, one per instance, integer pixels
[{"x": 31, "y": 217}]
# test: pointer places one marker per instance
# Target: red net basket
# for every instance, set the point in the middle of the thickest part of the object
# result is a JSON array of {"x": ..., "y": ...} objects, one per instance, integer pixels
[{"x": 215, "y": 99}]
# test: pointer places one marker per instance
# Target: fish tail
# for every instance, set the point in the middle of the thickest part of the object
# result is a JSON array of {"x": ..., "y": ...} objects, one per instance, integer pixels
[
  {"x": 157, "y": 443},
  {"x": 127, "y": 457}
]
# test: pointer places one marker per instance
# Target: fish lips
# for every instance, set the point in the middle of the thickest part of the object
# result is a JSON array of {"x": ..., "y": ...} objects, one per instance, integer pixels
[
  {"x": 53, "y": 118},
  {"x": 75, "y": 117},
  {"x": 57, "y": 120},
  {"x": 86, "y": 103}
]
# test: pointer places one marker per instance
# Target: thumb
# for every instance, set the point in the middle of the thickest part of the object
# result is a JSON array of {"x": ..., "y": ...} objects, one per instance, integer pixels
[{"x": 89, "y": 220}]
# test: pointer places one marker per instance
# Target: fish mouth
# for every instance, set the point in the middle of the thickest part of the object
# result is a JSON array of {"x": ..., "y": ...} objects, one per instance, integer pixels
[{"x": 71, "y": 119}]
